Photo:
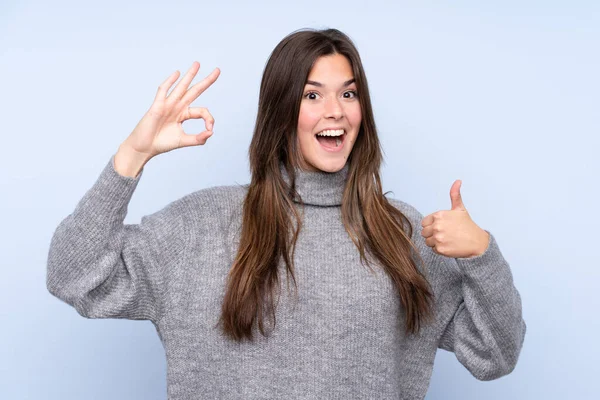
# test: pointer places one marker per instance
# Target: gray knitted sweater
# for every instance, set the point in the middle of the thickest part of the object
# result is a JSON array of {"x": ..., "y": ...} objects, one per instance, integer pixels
[{"x": 341, "y": 338}]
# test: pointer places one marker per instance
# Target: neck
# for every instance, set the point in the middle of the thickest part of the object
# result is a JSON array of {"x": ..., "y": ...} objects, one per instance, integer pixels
[{"x": 319, "y": 188}]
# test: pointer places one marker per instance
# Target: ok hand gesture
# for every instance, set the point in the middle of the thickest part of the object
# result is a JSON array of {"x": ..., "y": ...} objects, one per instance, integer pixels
[{"x": 160, "y": 130}]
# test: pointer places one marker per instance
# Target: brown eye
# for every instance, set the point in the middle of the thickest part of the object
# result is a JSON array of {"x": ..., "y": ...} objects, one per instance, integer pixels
[
  {"x": 309, "y": 94},
  {"x": 353, "y": 92}
]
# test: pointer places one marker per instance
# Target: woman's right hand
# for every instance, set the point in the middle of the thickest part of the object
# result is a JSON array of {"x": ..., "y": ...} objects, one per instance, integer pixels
[{"x": 160, "y": 130}]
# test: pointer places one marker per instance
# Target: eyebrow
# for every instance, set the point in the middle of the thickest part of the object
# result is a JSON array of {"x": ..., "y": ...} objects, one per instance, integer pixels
[{"x": 319, "y": 84}]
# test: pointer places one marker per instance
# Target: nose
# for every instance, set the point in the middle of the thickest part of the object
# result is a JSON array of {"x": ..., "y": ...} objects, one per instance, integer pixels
[{"x": 333, "y": 109}]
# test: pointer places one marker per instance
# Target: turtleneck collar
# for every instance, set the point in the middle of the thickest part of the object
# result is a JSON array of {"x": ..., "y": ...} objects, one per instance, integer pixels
[{"x": 319, "y": 188}]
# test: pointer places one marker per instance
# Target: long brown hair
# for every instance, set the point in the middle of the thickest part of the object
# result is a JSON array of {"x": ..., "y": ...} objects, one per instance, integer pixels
[{"x": 269, "y": 215}]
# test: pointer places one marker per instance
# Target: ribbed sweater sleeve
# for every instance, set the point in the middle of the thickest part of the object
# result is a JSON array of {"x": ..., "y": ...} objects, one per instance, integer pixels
[
  {"x": 487, "y": 330},
  {"x": 105, "y": 268}
]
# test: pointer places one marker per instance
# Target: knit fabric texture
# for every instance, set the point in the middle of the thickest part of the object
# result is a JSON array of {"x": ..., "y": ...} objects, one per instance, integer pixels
[{"x": 341, "y": 336}]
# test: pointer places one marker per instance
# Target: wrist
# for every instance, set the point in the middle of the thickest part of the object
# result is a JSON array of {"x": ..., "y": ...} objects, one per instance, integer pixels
[
  {"x": 129, "y": 162},
  {"x": 483, "y": 243}
]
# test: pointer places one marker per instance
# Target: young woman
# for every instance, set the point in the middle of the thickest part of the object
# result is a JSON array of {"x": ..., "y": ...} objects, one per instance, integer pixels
[{"x": 374, "y": 294}]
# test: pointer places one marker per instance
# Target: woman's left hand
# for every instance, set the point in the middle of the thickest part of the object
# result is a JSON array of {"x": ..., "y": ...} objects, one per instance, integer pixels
[{"x": 452, "y": 233}]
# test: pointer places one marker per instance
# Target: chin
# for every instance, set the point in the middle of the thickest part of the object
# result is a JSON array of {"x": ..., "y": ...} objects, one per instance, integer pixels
[{"x": 329, "y": 165}]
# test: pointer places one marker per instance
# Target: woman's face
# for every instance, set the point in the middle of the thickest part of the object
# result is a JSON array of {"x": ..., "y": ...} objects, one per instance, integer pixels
[{"x": 329, "y": 106}]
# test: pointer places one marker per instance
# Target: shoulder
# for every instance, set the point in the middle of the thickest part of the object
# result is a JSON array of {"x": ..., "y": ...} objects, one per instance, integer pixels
[
  {"x": 207, "y": 204},
  {"x": 406, "y": 208},
  {"x": 414, "y": 216},
  {"x": 443, "y": 271},
  {"x": 217, "y": 197},
  {"x": 216, "y": 204}
]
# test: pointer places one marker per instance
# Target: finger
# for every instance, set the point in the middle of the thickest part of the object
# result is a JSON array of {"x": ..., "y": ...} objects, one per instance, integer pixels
[
  {"x": 427, "y": 231},
  {"x": 164, "y": 87},
  {"x": 455, "y": 196},
  {"x": 430, "y": 241},
  {"x": 196, "y": 90},
  {"x": 428, "y": 220},
  {"x": 202, "y": 112},
  {"x": 182, "y": 86},
  {"x": 194, "y": 140}
]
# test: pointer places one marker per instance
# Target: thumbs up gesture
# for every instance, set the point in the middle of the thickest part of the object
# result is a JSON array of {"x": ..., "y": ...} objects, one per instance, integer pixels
[{"x": 452, "y": 233}]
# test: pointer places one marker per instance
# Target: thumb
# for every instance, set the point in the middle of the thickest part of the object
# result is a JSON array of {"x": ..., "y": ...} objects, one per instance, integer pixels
[{"x": 455, "y": 197}]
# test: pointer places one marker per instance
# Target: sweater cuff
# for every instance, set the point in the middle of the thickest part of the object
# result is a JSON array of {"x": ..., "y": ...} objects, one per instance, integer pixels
[
  {"x": 110, "y": 189},
  {"x": 486, "y": 263}
]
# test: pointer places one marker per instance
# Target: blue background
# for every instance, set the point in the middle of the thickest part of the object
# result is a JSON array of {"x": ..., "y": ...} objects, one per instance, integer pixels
[{"x": 503, "y": 95}]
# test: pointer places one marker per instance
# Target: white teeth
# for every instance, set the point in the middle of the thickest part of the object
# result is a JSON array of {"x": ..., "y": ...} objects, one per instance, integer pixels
[
  {"x": 337, "y": 142},
  {"x": 338, "y": 132}
]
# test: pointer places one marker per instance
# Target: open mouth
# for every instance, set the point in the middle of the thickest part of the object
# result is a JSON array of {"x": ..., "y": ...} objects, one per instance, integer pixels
[{"x": 332, "y": 143}]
